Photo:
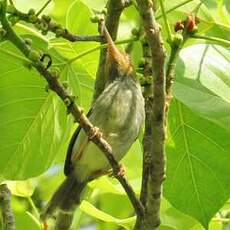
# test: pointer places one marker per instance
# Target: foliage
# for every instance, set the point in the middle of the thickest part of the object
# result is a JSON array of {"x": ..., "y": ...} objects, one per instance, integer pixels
[{"x": 35, "y": 129}]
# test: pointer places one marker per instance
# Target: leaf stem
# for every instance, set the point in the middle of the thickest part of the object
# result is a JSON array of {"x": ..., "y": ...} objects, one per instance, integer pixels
[
  {"x": 100, "y": 47},
  {"x": 174, "y": 7},
  {"x": 168, "y": 30},
  {"x": 33, "y": 207},
  {"x": 43, "y": 7},
  {"x": 11, "y": 2},
  {"x": 220, "y": 41},
  {"x": 223, "y": 220}
]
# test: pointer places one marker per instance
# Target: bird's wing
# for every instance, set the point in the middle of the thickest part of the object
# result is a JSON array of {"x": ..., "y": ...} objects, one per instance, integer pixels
[{"x": 68, "y": 163}]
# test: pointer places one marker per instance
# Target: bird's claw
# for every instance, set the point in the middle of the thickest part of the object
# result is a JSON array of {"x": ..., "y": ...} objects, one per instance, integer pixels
[
  {"x": 120, "y": 173},
  {"x": 94, "y": 132}
]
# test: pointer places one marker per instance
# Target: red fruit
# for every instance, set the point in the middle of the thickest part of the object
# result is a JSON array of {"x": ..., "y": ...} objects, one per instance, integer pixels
[{"x": 178, "y": 26}]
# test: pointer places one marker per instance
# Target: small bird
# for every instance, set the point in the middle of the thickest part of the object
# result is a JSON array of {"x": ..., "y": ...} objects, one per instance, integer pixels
[{"x": 119, "y": 114}]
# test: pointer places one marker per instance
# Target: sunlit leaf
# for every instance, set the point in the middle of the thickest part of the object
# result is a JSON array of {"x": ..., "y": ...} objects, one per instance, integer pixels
[
  {"x": 34, "y": 124},
  {"x": 202, "y": 82},
  {"x": 21, "y": 188},
  {"x": 198, "y": 170},
  {"x": 93, "y": 211}
]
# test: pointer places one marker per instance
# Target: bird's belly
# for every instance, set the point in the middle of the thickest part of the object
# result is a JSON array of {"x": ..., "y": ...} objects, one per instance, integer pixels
[
  {"x": 119, "y": 119},
  {"x": 94, "y": 161}
]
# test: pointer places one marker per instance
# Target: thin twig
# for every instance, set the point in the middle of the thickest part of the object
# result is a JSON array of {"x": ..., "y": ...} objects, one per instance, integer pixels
[
  {"x": 43, "y": 7},
  {"x": 101, "y": 47},
  {"x": 168, "y": 30},
  {"x": 45, "y": 24},
  {"x": 72, "y": 107},
  {"x": 7, "y": 212},
  {"x": 174, "y": 8},
  {"x": 33, "y": 207}
]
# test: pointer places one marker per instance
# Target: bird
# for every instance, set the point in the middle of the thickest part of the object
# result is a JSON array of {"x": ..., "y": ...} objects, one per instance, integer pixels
[{"x": 119, "y": 114}]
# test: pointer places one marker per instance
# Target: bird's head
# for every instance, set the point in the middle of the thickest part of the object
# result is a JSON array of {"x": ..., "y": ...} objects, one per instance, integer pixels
[{"x": 118, "y": 64}]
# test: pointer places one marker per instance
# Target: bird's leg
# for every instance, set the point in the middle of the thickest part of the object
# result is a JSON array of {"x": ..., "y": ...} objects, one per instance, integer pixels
[
  {"x": 122, "y": 170},
  {"x": 120, "y": 173},
  {"x": 94, "y": 132}
]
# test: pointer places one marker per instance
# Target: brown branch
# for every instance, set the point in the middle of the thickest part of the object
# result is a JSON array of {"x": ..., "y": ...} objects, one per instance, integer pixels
[
  {"x": 45, "y": 24},
  {"x": 154, "y": 141},
  {"x": 68, "y": 99},
  {"x": 7, "y": 213},
  {"x": 114, "y": 10},
  {"x": 148, "y": 95}
]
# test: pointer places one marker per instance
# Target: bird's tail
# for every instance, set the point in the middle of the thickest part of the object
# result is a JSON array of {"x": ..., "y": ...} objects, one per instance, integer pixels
[{"x": 64, "y": 200}]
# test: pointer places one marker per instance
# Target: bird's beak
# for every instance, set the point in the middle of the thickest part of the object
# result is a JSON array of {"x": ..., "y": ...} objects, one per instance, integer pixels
[{"x": 114, "y": 56}]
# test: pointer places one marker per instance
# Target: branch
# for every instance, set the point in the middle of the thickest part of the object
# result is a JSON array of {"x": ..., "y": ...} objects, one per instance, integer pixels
[
  {"x": 68, "y": 99},
  {"x": 155, "y": 150},
  {"x": 148, "y": 96},
  {"x": 45, "y": 24},
  {"x": 114, "y": 10},
  {"x": 7, "y": 213}
]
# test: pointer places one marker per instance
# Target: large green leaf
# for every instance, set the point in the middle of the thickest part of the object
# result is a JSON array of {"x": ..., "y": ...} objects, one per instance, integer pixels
[
  {"x": 34, "y": 124},
  {"x": 80, "y": 14},
  {"x": 87, "y": 207},
  {"x": 202, "y": 82},
  {"x": 198, "y": 149},
  {"x": 198, "y": 173}
]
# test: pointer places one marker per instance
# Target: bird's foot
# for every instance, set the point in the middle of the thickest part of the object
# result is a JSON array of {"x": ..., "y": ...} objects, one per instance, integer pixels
[
  {"x": 120, "y": 173},
  {"x": 94, "y": 132}
]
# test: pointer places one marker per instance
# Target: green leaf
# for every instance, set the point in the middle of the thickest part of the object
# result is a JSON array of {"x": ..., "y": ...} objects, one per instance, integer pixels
[
  {"x": 180, "y": 13},
  {"x": 21, "y": 188},
  {"x": 34, "y": 124},
  {"x": 202, "y": 82},
  {"x": 80, "y": 14},
  {"x": 170, "y": 216},
  {"x": 27, "y": 112},
  {"x": 24, "y": 5},
  {"x": 93, "y": 211},
  {"x": 23, "y": 219},
  {"x": 96, "y": 4},
  {"x": 59, "y": 10},
  {"x": 208, "y": 25},
  {"x": 198, "y": 153},
  {"x": 218, "y": 9},
  {"x": 105, "y": 185}
]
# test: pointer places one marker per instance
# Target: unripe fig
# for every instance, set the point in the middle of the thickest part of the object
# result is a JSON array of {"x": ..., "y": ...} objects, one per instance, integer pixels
[
  {"x": 32, "y": 18},
  {"x": 34, "y": 55},
  {"x": 31, "y": 12},
  {"x": 95, "y": 19}
]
